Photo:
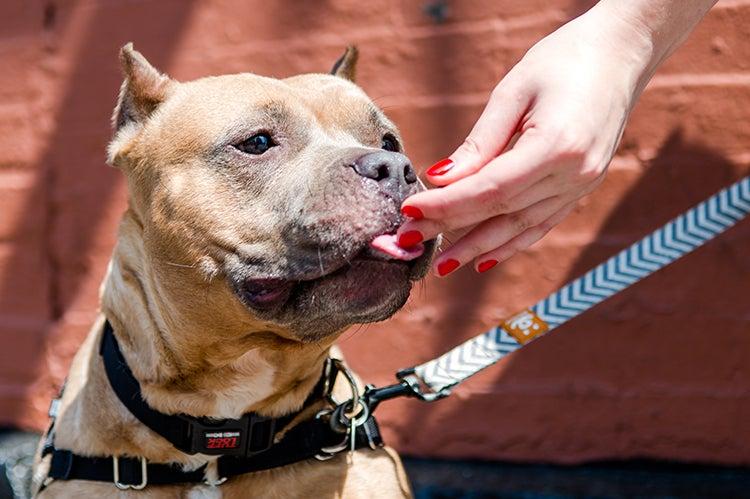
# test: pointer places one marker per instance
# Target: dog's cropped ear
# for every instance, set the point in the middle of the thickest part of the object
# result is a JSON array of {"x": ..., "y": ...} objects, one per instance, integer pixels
[
  {"x": 346, "y": 66},
  {"x": 142, "y": 91}
]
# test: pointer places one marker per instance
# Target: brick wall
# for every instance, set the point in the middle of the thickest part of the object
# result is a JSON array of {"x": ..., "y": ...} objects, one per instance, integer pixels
[{"x": 662, "y": 370}]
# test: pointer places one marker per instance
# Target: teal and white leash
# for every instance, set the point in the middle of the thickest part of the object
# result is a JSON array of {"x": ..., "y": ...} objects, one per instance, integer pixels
[{"x": 655, "y": 251}]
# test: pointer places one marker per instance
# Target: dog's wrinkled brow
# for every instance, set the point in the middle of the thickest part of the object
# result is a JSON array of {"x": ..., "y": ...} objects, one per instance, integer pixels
[
  {"x": 275, "y": 111},
  {"x": 266, "y": 115}
]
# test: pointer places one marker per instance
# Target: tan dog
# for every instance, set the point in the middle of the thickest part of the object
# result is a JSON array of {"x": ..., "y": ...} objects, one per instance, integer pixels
[{"x": 260, "y": 225}]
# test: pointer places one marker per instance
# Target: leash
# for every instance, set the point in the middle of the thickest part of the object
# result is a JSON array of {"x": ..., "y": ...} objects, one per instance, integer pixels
[{"x": 436, "y": 378}]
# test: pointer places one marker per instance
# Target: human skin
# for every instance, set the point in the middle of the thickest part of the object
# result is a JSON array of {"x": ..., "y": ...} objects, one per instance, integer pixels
[{"x": 548, "y": 132}]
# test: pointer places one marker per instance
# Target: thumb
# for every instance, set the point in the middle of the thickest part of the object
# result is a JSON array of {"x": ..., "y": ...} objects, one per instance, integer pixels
[{"x": 490, "y": 136}]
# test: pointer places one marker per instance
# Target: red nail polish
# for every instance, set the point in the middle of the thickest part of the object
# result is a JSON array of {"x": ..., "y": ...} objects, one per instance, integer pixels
[
  {"x": 486, "y": 265},
  {"x": 447, "y": 266},
  {"x": 410, "y": 238},
  {"x": 412, "y": 212},
  {"x": 441, "y": 167}
]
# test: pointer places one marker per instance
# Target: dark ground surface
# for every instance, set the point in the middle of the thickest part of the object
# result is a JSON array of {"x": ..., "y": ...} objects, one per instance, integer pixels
[
  {"x": 16, "y": 457},
  {"x": 435, "y": 479}
]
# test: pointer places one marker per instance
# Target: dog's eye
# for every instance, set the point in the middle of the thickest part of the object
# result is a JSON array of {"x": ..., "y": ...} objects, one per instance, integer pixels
[
  {"x": 257, "y": 144},
  {"x": 390, "y": 143}
]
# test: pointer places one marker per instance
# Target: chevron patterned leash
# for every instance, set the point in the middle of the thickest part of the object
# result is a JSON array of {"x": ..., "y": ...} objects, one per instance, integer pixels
[{"x": 662, "y": 247}]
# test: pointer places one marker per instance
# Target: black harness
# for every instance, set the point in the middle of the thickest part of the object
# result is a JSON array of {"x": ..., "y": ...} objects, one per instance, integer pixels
[{"x": 244, "y": 445}]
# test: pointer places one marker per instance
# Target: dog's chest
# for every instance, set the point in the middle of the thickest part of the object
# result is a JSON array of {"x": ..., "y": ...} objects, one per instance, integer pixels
[
  {"x": 235, "y": 396},
  {"x": 204, "y": 492}
]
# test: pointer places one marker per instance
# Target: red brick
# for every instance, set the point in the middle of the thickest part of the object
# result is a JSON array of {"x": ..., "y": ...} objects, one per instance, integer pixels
[
  {"x": 718, "y": 44},
  {"x": 702, "y": 110},
  {"x": 22, "y": 355},
  {"x": 24, "y": 280},
  {"x": 444, "y": 62},
  {"x": 501, "y": 12},
  {"x": 18, "y": 19},
  {"x": 227, "y": 25},
  {"x": 22, "y": 207}
]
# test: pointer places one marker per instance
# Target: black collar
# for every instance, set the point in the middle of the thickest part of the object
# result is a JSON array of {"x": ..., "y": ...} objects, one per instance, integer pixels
[
  {"x": 245, "y": 445},
  {"x": 247, "y": 436}
]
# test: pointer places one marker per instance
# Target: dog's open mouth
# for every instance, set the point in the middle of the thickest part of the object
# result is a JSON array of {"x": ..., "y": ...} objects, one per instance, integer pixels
[{"x": 381, "y": 260}]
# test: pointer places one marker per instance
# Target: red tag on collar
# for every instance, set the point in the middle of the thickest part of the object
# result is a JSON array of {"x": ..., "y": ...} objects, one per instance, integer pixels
[{"x": 222, "y": 439}]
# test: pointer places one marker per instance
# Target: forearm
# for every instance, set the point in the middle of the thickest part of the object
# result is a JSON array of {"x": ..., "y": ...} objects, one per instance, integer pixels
[{"x": 662, "y": 25}]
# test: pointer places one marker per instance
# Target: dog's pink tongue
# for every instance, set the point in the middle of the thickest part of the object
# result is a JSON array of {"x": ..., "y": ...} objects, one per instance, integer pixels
[{"x": 387, "y": 243}]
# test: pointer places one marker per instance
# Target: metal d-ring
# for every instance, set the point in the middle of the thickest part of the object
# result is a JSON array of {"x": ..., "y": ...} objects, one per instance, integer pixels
[
  {"x": 340, "y": 367},
  {"x": 126, "y": 486},
  {"x": 327, "y": 453},
  {"x": 339, "y": 420},
  {"x": 357, "y": 418}
]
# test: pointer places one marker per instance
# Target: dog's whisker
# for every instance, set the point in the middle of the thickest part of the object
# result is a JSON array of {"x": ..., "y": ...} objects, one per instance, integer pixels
[
  {"x": 355, "y": 331},
  {"x": 320, "y": 263},
  {"x": 422, "y": 287},
  {"x": 180, "y": 265}
]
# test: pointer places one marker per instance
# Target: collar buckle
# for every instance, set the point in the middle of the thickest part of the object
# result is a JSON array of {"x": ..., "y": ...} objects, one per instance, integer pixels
[{"x": 249, "y": 435}]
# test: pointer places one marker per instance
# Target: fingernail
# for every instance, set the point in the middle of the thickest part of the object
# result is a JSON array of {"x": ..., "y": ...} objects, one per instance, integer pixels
[
  {"x": 412, "y": 212},
  {"x": 447, "y": 266},
  {"x": 441, "y": 167},
  {"x": 486, "y": 265},
  {"x": 410, "y": 238}
]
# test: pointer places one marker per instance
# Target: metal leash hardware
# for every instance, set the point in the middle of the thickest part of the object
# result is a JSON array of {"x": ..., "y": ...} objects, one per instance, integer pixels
[
  {"x": 409, "y": 385},
  {"x": 344, "y": 418}
]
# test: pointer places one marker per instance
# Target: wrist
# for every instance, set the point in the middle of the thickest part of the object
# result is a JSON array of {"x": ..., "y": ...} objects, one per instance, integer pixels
[{"x": 626, "y": 44}]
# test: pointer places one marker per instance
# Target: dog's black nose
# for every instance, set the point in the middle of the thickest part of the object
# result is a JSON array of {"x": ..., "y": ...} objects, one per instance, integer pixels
[{"x": 391, "y": 170}]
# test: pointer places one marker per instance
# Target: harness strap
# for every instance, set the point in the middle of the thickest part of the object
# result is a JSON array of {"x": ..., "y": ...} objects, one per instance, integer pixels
[
  {"x": 130, "y": 471},
  {"x": 308, "y": 440}
]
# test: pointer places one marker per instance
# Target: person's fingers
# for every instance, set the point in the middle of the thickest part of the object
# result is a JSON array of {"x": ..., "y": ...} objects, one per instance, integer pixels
[
  {"x": 486, "y": 261},
  {"x": 497, "y": 231},
  {"x": 415, "y": 231},
  {"x": 489, "y": 191},
  {"x": 489, "y": 137},
  {"x": 550, "y": 186}
]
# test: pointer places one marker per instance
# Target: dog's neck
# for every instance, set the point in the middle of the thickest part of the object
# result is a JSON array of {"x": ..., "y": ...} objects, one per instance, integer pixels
[{"x": 188, "y": 355}]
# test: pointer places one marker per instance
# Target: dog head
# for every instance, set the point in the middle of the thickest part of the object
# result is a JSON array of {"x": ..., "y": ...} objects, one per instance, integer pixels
[{"x": 286, "y": 193}]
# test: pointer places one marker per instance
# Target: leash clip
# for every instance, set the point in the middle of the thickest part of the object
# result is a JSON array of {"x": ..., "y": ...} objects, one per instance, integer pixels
[
  {"x": 419, "y": 388},
  {"x": 409, "y": 385}
]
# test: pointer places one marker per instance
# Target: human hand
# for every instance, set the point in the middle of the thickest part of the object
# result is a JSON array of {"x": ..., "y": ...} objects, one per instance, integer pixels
[{"x": 544, "y": 140}]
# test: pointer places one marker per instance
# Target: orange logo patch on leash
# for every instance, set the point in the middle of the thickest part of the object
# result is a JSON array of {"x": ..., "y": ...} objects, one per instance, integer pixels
[{"x": 525, "y": 326}]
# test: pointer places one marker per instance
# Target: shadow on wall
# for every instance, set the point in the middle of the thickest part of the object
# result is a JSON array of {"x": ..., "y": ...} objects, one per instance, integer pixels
[
  {"x": 633, "y": 376},
  {"x": 75, "y": 185},
  {"x": 681, "y": 175}
]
